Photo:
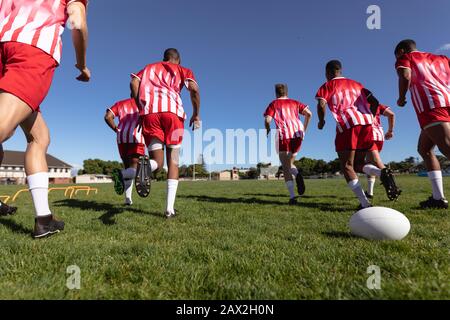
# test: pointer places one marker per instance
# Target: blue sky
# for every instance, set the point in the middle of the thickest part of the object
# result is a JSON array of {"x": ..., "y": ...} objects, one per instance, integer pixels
[{"x": 238, "y": 50}]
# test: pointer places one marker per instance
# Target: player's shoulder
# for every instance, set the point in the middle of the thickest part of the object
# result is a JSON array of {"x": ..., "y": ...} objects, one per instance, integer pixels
[
  {"x": 84, "y": 2},
  {"x": 125, "y": 102}
]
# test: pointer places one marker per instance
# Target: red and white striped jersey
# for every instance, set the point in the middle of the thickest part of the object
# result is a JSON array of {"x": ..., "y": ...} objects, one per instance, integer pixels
[
  {"x": 39, "y": 23},
  {"x": 286, "y": 113},
  {"x": 128, "y": 114},
  {"x": 347, "y": 103},
  {"x": 160, "y": 89},
  {"x": 430, "y": 80},
  {"x": 378, "y": 132}
]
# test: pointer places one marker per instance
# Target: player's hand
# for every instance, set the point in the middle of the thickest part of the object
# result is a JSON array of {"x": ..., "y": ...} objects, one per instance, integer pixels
[
  {"x": 195, "y": 122},
  {"x": 401, "y": 102},
  {"x": 321, "y": 124},
  {"x": 85, "y": 74},
  {"x": 389, "y": 135}
]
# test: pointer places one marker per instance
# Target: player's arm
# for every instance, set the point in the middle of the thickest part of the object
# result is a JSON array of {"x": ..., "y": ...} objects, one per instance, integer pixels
[
  {"x": 109, "y": 119},
  {"x": 267, "y": 122},
  {"x": 373, "y": 102},
  {"x": 321, "y": 111},
  {"x": 404, "y": 82},
  {"x": 391, "y": 120},
  {"x": 77, "y": 18},
  {"x": 195, "y": 99},
  {"x": 308, "y": 115},
  {"x": 134, "y": 88}
]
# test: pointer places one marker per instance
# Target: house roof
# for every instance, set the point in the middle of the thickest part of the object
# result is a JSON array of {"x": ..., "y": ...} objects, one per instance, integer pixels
[{"x": 17, "y": 159}]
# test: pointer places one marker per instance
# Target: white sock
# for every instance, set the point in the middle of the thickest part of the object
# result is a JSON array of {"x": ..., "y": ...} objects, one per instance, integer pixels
[
  {"x": 128, "y": 191},
  {"x": 355, "y": 186},
  {"x": 371, "y": 170},
  {"x": 290, "y": 186},
  {"x": 129, "y": 173},
  {"x": 370, "y": 185},
  {"x": 153, "y": 165},
  {"x": 294, "y": 171},
  {"x": 38, "y": 185},
  {"x": 172, "y": 186},
  {"x": 437, "y": 184}
]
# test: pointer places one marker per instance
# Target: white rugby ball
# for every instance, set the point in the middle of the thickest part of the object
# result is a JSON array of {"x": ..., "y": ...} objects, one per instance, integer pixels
[{"x": 378, "y": 223}]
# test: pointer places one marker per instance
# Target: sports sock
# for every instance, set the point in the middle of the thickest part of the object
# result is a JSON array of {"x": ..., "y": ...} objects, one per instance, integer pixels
[
  {"x": 38, "y": 185},
  {"x": 129, "y": 173},
  {"x": 370, "y": 185},
  {"x": 371, "y": 170},
  {"x": 128, "y": 190},
  {"x": 437, "y": 184},
  {"x": 355, "y": 186},
  {"x": 153, "y": 165},
  {"x": 172, "y": 186},
  {"x": 294, "y": 171},
  {"x": 290, "y": 186}
]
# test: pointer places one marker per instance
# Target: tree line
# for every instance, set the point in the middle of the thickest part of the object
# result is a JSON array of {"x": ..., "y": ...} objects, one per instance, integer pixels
[{"x": 308, "y": 167}]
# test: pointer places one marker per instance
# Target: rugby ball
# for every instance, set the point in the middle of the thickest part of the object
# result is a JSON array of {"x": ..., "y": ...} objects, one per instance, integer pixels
[{"x": 378, "y": 223}]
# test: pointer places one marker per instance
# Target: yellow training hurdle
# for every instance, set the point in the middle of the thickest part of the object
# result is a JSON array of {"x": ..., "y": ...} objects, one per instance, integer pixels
[
  {"x": 5, "y": 198},
  {"x": 68, "y": 192}
]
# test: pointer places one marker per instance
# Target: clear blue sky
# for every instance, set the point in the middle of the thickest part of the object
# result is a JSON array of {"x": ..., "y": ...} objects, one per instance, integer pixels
[{"x": 238, "y": 49}]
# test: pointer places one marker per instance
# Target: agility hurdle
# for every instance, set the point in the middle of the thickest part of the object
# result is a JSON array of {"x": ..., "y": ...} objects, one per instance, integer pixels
[
  {"x": 5, "y": 198},
  {"x": 18, "y": 193},
  {"x": 68, "y": 192}
]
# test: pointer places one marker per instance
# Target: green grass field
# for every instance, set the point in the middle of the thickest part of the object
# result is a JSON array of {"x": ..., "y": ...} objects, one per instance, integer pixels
[{"x": 231, "y": 240}]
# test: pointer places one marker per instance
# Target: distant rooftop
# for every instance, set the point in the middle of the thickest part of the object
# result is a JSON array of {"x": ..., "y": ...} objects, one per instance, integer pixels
[{"x": 17, "y": 159}]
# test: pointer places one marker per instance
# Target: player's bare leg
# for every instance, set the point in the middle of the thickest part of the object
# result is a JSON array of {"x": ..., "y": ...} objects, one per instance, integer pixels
[
  {"x": 286, "y": 163},
  {"x": 347, "y": 159},
  {"x": 374, "y": 158},
  {"x": 173, "y": 161},
  {"x": 426, "y": 150},
  {"x": 301, "y": 188},
  {"x": 12, "y": 112},
  {"x": 128, "y": 175},
  {"x": 36, "y": 169}
]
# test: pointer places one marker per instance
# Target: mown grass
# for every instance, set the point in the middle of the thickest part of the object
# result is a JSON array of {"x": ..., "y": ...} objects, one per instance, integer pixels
[{"x": 231, "y": 240}]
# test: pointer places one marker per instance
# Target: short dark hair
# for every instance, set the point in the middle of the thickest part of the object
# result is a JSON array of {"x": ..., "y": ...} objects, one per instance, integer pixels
[
  {"x": 171, "y": 54},
  {"x": 281, "y": 89},
  {"x": 333, "y": 66},
  {"x": 407, "y": 45}
]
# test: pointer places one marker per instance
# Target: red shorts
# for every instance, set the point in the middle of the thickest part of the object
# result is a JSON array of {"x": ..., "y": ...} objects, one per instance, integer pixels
[
  {"x": 290, "y": 145},
  {"x": 433, "y": 116},
  {"x": 359, "y": 138},
  {"x": 26, "y": 72},
  {"x": 377, "y": 146},
  {"x": 166, "y": 127},
  {"x": 127, "y": 150}
]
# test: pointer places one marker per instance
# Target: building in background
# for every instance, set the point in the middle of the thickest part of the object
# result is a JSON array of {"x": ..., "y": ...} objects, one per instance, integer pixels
[
  {"x": 93, "y": 178},
  {"x": 12, "y": 170},
  {"x": 226, "y": 175}
]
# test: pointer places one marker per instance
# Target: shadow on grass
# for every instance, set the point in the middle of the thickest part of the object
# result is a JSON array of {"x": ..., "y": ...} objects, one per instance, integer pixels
[
  {"x": 328, "y": 207},
  {"x": 234, "y": 200},
  {"x": 15, "y": 227},
  {"x": 271, "y": 195},
  {"x": 110, "y": 209},
  {"x": 339, "y": 235}
]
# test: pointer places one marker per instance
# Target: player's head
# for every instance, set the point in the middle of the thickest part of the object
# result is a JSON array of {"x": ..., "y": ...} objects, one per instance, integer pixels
[
  {"x": 333, "y": 69},
  {"x": 172, "y": 55},
  {"x": 281, "y": 90},
  {"x": 405, "y": 46}
]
